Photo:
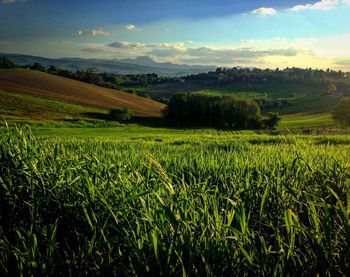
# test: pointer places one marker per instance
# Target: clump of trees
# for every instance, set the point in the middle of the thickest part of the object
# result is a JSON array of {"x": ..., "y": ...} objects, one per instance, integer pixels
[
  {"x": 121, "y": 114},
  {"x": 218, "y": 111},
  {"x": 38, "y": 67},
  {"x": 6, "y": 63},
  {"x": 271, "y": 121},
  {"x": 341, "y": 113}
]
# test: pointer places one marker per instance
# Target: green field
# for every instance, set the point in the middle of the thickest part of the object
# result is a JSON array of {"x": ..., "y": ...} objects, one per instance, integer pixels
[
  {"x": 144, "y": 201},
  {"x": 15, "y": 106},
  {"x": 306, "y": 96},
  {"x": 44, "y": 112},
  {"x": 307, "y": 121}
]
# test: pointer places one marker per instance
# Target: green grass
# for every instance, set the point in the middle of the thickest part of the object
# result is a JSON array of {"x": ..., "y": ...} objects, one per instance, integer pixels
[
  {"x": 306, "y": 96},
  {"x": 239, "y": 94},
  {"x": 307, "y": 121},
  {"x": 149, "y": 201},
  {"x": 14, "y": 106},
  {"x": 23, "y": 109}
]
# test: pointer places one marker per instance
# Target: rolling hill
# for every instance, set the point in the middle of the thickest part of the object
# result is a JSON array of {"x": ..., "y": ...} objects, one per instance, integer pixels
[{"x": 40, "y": 84}]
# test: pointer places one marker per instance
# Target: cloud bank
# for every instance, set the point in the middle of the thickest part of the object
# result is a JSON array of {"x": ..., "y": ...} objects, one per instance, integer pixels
[
  {"x": 321, "y": 5},
  {"x": 179, "y": 51}
]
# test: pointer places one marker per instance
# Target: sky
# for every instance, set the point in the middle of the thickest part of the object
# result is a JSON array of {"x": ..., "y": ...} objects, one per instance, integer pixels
[{"x": 259, "y": 33}]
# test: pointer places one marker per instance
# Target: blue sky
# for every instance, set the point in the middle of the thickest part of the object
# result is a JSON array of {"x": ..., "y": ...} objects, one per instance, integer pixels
[{"x": 263, "y": 33}]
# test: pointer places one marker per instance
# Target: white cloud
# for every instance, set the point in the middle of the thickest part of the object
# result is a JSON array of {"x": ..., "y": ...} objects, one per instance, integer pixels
[
  {"x": 320, "y": 5},
  {"x": 174, "y": 45},
  {"x": 319, "y": 52},
  {"x": 92, "y": 32},
  {"x": 248, "y": 41},
  {"x": 177, "y": 46},
  {"x": 130, "y": 27},
  {"x": 306, "y": 42},
  {"x": 223, "y": 55},
  {"x": 180, "y": 52},
  {"x": 281, "y": 39},
  {"x": 129, "y": 45},
  {"x": 341, "y": 61},
  {"x": 265, "y": 11}
]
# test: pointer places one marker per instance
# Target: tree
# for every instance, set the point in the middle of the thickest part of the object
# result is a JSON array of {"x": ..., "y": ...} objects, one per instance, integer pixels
[
  {"x": 6, "y": 63},
  {"x": 37, "y": 66},
  {"x": 217, "y": 111},
  {"x": 272, "y": 120},
  {"x": 121, "y": 114},
  {"x": 341, "y": 113},
  {"x": 53, "y": 69},
  {"x": 331, "y": 88}
]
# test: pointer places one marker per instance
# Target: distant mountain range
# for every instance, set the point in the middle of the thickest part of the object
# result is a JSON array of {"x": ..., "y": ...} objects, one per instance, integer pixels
[{"x": 139, "y": 65}]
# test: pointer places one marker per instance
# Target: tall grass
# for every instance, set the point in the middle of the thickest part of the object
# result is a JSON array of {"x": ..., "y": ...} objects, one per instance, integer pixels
[{"x": 218, "y": 205}]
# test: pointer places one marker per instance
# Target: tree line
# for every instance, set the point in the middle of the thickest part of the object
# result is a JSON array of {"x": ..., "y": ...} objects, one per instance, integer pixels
[
  {"x": 254, "y": 75},
  {"x": 218, "y": 112},
  {"x": 107, "y": 80}
]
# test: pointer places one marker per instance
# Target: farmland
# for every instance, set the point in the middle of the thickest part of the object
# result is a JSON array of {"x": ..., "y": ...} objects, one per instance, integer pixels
[
  {"x": 139, "y": 200},
  {"x": 39, "y": 84},
  {"x": 81, "y": 193}
]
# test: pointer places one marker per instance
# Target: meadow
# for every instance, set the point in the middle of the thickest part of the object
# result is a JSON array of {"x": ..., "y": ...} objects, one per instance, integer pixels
[{"x": 139, "y": 200}]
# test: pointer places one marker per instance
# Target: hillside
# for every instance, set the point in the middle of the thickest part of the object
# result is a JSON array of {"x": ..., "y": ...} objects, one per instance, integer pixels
[
  {"x": 286, "y": 94},
  {"x": 35, "y": 83}
]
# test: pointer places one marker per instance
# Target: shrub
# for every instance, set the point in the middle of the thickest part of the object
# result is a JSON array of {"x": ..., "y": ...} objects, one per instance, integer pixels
[
  {"x": 6, "y": 63},
  {"x": 272, "y": 120},
  {"x": 341, "y": 113},
  {"x": 121, "y": 114},
  {"x": 37, "y": 66}
]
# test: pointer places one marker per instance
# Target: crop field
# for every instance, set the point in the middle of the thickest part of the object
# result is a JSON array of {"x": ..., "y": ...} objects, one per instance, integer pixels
[
  {"x": 173, "y": 202},
  {"x": 40, "y": 84},
  {"x": 307, "y": 121}
]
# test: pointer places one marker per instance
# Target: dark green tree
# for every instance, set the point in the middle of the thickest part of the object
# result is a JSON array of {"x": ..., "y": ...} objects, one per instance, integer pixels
[
  {"x": 6, "y": 63},
  {"x": 341, "y": 113},
  {"x": 216, "y": 111},
  {"x": 38, "y": 67},
  {"x": 121, "y": 114},
  {"x": 272, "y": 120}
]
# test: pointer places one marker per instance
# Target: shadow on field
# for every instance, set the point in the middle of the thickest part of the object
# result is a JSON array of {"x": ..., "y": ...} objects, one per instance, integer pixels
[
  {"x": 103, "y": 116},
  {"x": 149, "y": 121},
  {"x": 144, "y": 121}
]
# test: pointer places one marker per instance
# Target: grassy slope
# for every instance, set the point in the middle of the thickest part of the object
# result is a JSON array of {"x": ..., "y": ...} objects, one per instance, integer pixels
[
  {"x": 15, "y": 106},
  {"x": 311, "y": 107},
  {"x": 307, "y": 121},
  {"x": 36, "y": 83},
  {"x": 307, "y": 98}
]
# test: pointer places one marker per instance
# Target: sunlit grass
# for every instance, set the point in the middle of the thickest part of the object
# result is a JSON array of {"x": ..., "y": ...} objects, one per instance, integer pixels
[
  {"x": 189, "y": 202},
  {"x": 307, "y": 121}
]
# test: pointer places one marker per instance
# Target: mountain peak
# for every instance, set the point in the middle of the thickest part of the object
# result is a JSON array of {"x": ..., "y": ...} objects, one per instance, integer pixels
[
  {"x": 141, "y": 60},
  {"x": 144, "y": 58}
]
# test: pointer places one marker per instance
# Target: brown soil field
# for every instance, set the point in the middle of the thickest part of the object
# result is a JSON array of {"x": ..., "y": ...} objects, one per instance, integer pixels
[{"x": 42, "y": 84}]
